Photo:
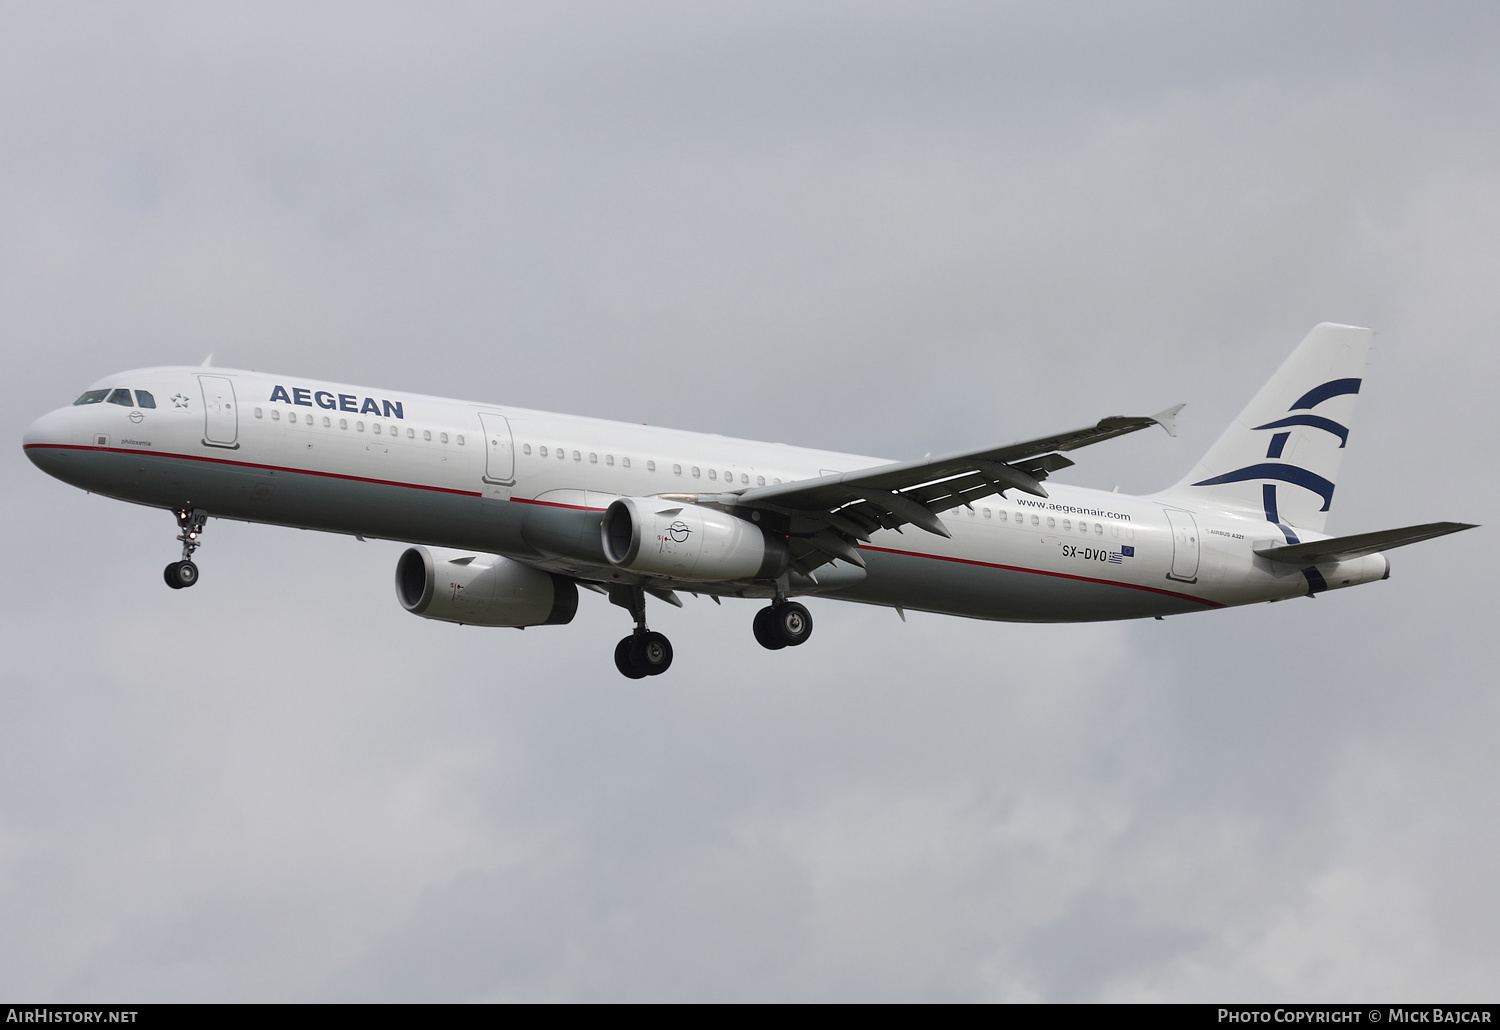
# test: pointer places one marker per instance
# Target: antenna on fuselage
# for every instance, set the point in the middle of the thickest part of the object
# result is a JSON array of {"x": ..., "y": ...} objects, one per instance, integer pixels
[{"x": 208, "y": 360}]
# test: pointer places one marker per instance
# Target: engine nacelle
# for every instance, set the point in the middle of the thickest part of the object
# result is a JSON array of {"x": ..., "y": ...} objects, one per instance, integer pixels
[
  {"x": 689, "y": 541},
  {"x": 482, "y": 590}
]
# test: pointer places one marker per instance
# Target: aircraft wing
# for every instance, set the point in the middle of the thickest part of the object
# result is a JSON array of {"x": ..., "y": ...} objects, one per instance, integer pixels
[
  {"x": 1343, "y": 548},
  {"x": 827, "y": 514}
]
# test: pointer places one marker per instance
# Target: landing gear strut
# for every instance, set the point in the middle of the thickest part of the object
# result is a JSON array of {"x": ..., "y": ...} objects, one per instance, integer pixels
[
  {"x": 643, "y": 653},
  {"x": 184, "y": 573},
  {"x": 783, "y": 624}
]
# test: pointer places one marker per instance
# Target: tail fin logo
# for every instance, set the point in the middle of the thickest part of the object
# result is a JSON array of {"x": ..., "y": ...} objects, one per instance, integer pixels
[{"x": 1285, "y": 472}]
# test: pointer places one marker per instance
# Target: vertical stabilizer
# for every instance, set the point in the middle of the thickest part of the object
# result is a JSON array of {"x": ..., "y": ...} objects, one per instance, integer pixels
[{"x": 1280, "y": 457}]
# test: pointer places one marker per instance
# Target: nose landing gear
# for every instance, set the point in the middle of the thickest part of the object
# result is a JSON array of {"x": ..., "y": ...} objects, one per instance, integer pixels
[
  {"x": 643, "y": 653},
  {"x": 184, "y": 573}
]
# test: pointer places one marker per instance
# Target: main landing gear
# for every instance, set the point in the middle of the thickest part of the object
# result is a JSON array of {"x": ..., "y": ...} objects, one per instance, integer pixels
[
  {"x": 783, "y": 624},
  {"x": 184, "y": 573},
  {"x": 643, "y": 653}
]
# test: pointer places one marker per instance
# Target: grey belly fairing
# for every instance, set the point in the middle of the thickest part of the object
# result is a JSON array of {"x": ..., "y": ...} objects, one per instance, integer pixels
[
  {"x": 302, "y": 501},
  {"x": 567, "y": 539},
  {"x": 980, "y": 591}
]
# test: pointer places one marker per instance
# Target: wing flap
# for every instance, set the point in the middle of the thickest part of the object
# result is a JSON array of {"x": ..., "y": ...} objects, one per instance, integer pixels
[
  {"x": 1015, "y": 466},
  {"x": 824, "y": 518}
]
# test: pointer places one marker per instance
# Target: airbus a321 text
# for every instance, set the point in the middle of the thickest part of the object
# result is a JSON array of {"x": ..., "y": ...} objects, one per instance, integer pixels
[{"x": 510, "y": 511}]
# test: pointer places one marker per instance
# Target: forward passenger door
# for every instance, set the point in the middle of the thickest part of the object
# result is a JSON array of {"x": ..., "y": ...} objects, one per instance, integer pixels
[{"x": 221, "y": 422}]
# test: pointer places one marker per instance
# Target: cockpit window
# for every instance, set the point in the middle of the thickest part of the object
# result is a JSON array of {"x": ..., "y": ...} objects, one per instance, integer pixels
[
  {"x": 121, "y": 397},
  {"x": 92, "y": 397},
  {"x": 144, "y": 399}
]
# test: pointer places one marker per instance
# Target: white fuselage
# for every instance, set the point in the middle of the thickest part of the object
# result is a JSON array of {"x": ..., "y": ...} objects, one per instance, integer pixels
[{"x": 532, "y": 485}]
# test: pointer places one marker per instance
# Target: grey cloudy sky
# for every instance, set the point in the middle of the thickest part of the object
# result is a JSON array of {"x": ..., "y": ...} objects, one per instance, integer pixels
[{"x": 882, "y": 228}]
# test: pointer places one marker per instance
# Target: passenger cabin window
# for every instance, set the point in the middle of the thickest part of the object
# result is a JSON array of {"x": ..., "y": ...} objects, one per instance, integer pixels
[
  {"x": 711, "y": 473},
  {"x": 427, "y": 435},
  {"x": 258, "y": 413},
  {"x": 343, "y": 423},
  {"x": 609, "y": 459},
  {"x": 760, "y": 480},
  {"x": 696, "y": 473},
  {"x": 121, "y": 397},
  {"x": 1098, "y": 529},
  {"x": 327, "y": 422},
  {"x": 651, "y": 466},
  {"x": 275, "y": 415},
  {"x": 144, "y": 399},
  {"x": 92, "y": 397},
  {"x": 676, "y": 470},
  {"x": 459, "y": 439},
  {"x": 625, "y": 463},
  {"x": 443, "y": 437},
  {"x": 526, "y": 448}
]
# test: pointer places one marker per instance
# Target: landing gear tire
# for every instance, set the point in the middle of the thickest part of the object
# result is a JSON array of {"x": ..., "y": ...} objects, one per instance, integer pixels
[
  {"x": 643, "y": 654},
  {"x": 624, "y": 661},
  {"x": 180, "y": 574},
  {"x": 651, "y": 653},
  {"x": 791, "y": 622},
  {"x": 782, "y": 625},
  {"x": 765, "y": 634}
]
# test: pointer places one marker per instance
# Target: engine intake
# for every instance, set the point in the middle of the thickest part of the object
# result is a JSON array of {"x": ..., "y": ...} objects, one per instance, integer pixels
[
  {"x": 482, "y": 590},
  {"x": 689, "y": 541}
]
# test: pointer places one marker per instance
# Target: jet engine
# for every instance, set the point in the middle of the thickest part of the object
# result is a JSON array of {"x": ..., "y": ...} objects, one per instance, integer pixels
[
  {"x": 689, "y": 541},
  {"x": 482, "y": 590}
]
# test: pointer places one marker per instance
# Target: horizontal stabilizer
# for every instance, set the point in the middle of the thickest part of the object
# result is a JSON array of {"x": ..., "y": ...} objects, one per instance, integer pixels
[{"x": 1343, "y": 548}]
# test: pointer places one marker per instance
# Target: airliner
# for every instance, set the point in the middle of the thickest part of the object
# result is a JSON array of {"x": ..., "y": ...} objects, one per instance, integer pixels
[{"x": 510, "y": 511}]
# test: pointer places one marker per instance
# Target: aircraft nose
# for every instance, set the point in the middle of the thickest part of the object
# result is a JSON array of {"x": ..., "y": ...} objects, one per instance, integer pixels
[{"x": 45, "y": 435}]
